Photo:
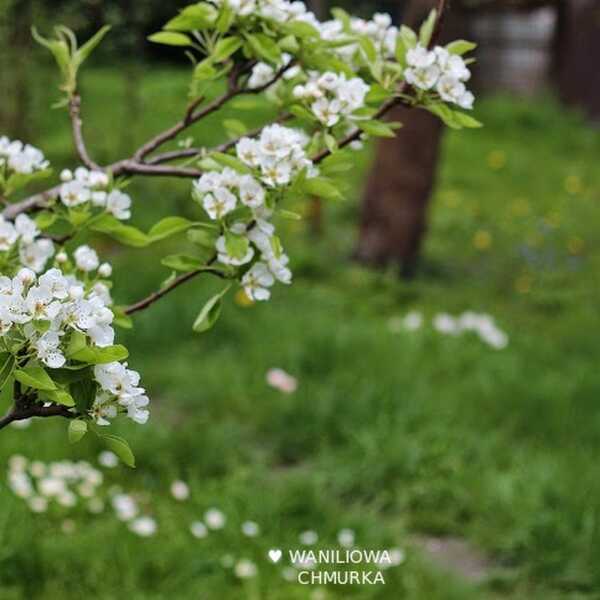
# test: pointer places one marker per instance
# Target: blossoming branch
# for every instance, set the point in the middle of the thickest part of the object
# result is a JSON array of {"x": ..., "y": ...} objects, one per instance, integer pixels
[{"x": 329, "y": 83}]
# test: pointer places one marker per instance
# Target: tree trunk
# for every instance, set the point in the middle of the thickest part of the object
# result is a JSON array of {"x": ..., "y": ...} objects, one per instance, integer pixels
[
  {"x": 394, "y": 207},
  {"x": 578, "y": 50}
]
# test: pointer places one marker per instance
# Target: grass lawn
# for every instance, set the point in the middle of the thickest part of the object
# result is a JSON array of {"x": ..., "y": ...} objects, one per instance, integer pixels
[{"x": 394, "y": 434}]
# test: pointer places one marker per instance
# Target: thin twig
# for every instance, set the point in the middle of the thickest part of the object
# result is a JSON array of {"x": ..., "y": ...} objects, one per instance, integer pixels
[
  {"x": 76, "y": 126},
  {"x": 131, "y": 167},
  {"x": 154, "y": 296},
  {"x": 192, "y": 152}
]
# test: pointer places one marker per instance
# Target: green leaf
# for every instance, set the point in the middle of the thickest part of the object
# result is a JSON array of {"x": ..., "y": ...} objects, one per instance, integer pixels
[
  {"x": 204, "y": 70},
  {"x": 234, "y": 163},
  {"x": 7, "y": 366},
  {"x": 34, "y": 376},
  {"x": 234, "y": 127},
  {"x": 98, "y": 356},
  {"x": 58, "y": 48},
  {"x": 195, "y": 17},
  {"x": 376, "y": 128},
  {"x": 120, "y": 447},
  {"x": 377, "y": 95},
  {"x": 77, "y": 342},
  {"x": 6, "y": 392},
  {"x": 167, "y": 227},
  {"x": 170, "y": 38},
  {"x": 368, "y": 47},
  {"x": 82, "y": 53},
  {"x": 225, "y": 19},
  {"x": 288, "y": 214},
  {"x": 77, "y": 429},
  {"x": 225, "y": 48},
  {"x": 264, "y": 47},
  {"x": 409, "y": 37},
  {"x": 84, "y": 392},
  {"x": 59, "y": 396},
  {"x": 338, "y": 162},
  {"x": 302, "y": 30},
  {"x": 466, "y": 120},
  {"x": 204, "y": 237},
  {"x": 427, "y": 27},
  {"x": 67, "y": 376},
  {"x": 452, "y": 118},
  {"x": 302, "y": 113},
  {"x": 182, "y": 262},
  {"x": 78, "y": 216},
  {"x": 289, "y": 44},
  {"x": 126, "y": 234},
  {"x": 236, "y": 245},
  {"x": 18, "y": 181},
  {"x": 210, "y": 312},
  {"x": 341, "y": 15},
  {"x": 121, "y": 319},
  {"x": 322, "y": 187},
  {"x": 45, "y": 219},
  {"x": 460, "y": 47}
]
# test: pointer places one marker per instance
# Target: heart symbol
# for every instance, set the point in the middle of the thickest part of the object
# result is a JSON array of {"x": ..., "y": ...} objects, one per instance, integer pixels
[{"x": 275, "y": 555}]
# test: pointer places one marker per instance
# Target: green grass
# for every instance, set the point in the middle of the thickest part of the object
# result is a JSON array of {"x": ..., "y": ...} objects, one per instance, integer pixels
[{"x": 389, "y": 434}]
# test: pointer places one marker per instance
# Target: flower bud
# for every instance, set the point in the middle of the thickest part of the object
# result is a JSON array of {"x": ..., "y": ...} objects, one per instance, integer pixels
[
  {"x": 26, "y": 276},
  {"x": 75, "y": 292},
  {"x": 66, "y": 175},
  {"x": 105, "y": 270}
]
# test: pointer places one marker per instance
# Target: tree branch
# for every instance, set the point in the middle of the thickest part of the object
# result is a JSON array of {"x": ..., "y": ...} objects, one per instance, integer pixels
[
  {"x": 192, "y": 152},
  {"x": 76, "y": 126},
  {"x": 19, "y": 413},
  {"x": 154, "y": 296}
]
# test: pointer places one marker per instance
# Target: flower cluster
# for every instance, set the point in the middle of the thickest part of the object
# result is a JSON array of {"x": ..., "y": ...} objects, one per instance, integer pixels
[
  {"x": 332, "y": 96},
  {"x": 275, "y": 158},
  {"x": 66, "y": 486},
  {"x": 278, "y": 154},
  {"x": 85, "y": 186},
  {"x": 48, "y": 312},
  {"x": 441, "y": 71},
  {"x": 63, "y": 483},
  {"x": 24, "y": 236},
  {"x": 119, "y": 388},
  {"x": 45, "y": 310},
  {"x": 480, "y": 323},
  {"x": 483, "y": 325},
  {"x": 17, "y": 157},
  {"x": 380, "y": 30},
  {"x": 281, "y": 11},
  {"x": 262, "y": 73}
]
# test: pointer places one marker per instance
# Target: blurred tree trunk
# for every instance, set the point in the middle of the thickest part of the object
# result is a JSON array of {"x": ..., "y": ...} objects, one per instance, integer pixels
[
  {"x": 394, "y": 208},
  {"x": 577, "y": 52},
  {"x": 16, "y": 38}
]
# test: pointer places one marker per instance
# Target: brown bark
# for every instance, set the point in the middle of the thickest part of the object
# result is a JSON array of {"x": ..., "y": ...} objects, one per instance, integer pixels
[
  {"x": 394, "y": 208},
  {"x": 578, "y": 50}
]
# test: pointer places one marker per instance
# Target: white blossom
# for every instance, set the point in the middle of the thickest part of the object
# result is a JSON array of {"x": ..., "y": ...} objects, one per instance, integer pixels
[
  {"x": 257, "y": 281},
  {"x": 214, "y": 518},
  {"x": 180, "y": 490},
  {"x": 143, "y": 526},
  {"x": 86, "y": 258},
  {"x": 118, "y": 204},
  {"x": 21, "y": 158}
]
